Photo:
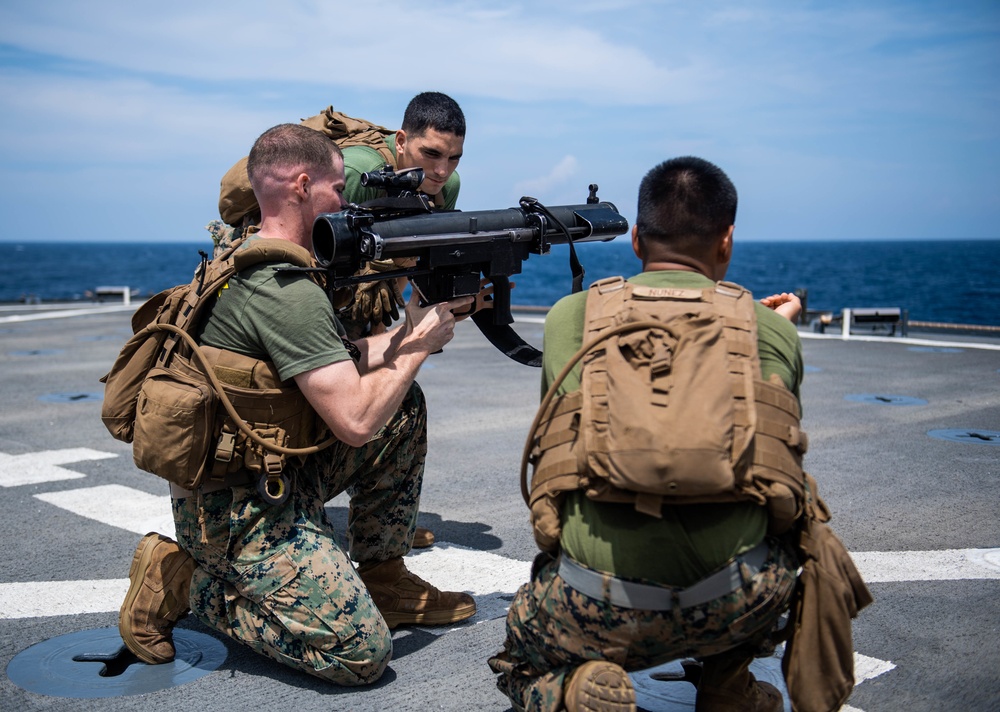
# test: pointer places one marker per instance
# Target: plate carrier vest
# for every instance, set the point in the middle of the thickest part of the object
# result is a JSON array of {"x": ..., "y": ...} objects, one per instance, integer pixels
[
  {"x": 163, "y": 391},
  {"x": 671, "y": 410}
]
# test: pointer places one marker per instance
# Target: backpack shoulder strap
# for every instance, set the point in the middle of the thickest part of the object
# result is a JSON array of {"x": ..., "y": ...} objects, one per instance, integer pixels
[
  {"x": 735, "y": 307},
  {"x": 348, "y": 131},
  {"x": 600, "y": 296},
  {"x": 210, "y": 277},
  {"x": 270, "y": 250},
  {"x": 570, "y": 403}
]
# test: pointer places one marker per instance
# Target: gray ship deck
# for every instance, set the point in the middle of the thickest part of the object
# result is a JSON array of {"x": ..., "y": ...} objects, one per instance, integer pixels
[{"x": 919, "y": 513}]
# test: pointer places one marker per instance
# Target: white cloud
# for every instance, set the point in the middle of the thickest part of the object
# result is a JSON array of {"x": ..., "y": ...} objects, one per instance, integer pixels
[
  {"x": 521, "y": 54},
  {"x": 560, "y": 174},
  {"x": 131, "y": 121},
  {"x": 813, "y": 106}
]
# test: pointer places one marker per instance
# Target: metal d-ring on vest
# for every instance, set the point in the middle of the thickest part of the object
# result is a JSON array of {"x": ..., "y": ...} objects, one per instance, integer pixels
[{"x": 273, "y": 487}]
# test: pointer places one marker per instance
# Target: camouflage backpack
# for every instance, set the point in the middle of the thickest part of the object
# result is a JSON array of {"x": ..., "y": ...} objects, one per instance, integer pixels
[
  {"x": 241, "y": 215},
  {"x": 237, "y": 203}
]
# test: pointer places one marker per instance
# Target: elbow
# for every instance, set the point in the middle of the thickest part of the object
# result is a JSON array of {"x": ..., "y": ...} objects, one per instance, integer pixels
[
  {"x": 352, "y": 434},
  {"x": 352, "y": 429},
  {"x": 355, "y": 439},
  {"x": 350, "y": 419}
]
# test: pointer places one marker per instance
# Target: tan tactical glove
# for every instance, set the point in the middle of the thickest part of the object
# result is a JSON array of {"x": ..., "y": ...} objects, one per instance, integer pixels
[{"x": 377, "y": 301}]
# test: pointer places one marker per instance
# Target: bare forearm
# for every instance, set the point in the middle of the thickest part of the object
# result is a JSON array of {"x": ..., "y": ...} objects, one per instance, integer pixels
[
  {"x": 378, "y": 349},
  {"x": 357, "y": 400},
  {"x": 355, "y": 406}
]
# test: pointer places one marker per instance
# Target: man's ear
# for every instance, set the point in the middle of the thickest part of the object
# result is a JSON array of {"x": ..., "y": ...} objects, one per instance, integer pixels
[
  {"x": 400, "y": 142},
  {"x": 725, "y": 249},
  {"x": 636, "y": 245},
  {"x": 302, "y": 185}
]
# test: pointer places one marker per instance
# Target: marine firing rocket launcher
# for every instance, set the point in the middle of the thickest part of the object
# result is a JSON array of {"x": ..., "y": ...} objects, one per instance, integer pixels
[{"x": 454, "y": 250}]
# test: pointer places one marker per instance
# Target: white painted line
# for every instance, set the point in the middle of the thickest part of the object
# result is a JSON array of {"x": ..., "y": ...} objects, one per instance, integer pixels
[
  {"x": 118, "y": 506},
  {"x": 36, "y": 467},
  {"x": 912, "y": 341},
  {"x": 658, "y": 695},
  {"x": 903, "y": 340},
  {"x": 462, "y": 569},
  {"x": 945, "y": 565},
  {"x": 62, "y": 314},
  {"x": 55, "y": 306},
  {"x": 487, "y": 576},
  {"x": 865, "y": 668},
  {"x": 61, "y": 598},
  {"x": 490, "y": 578}
]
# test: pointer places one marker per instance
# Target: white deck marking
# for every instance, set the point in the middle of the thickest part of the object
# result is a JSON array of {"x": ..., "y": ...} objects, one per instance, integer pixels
[
  {"x": 487, "y": 576},
  {"x": 64, "y": 313},
  {"x": 666, "y": 696},
  {"x": 36, "y": 467},
  {"x": 118, "y": 506},
  {"x": 902, "y": 340},
  {"x": 945, "y": 565},
  {"x": 61, "y": 598},
  {"x": 865, "y": 668},
  {"x": 491, "y": 578}
]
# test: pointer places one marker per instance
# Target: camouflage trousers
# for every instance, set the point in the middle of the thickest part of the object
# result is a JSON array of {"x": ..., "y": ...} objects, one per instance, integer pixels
[
  {"x": 276, "y": 579},
  {"x": 552, "y": 629}
]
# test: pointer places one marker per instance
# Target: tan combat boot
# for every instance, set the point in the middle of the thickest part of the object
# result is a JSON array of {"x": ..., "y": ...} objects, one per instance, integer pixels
[
  {"x": 759, "y": 697},
  {"x": 422, "y": 538},
  {"x": 404, "y": 598},
  {"x": 157, "y": 598},
  {"x": 727, "y": 685},
  {"x": 599, "y": 686}
]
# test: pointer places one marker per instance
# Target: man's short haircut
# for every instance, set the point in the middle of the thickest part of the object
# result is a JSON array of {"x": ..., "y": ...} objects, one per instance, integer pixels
[
  {"x": 290, "y": 145},
  {"x": 433, "y": 110},
  {"x": 687, "y": 203}
]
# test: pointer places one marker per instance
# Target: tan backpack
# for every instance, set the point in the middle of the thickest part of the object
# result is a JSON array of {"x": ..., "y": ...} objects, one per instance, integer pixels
[
  {"x": 236, "y": 198},
  {"x": 164, "y": 390},
  {"x": 671, "y": 409}
]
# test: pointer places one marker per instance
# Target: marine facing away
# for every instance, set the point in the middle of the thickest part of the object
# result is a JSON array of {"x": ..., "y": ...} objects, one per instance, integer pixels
[{"x": 667, "y": 496}]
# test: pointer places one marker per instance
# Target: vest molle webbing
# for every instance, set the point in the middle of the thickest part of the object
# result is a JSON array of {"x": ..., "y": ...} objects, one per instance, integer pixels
[
  {"x": 163, "y": 392},
  {"x": 671, "y": 410}
]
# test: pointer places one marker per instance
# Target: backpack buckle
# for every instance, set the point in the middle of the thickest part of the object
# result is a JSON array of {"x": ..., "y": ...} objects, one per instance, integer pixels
[{"x": 226, "y": 447}]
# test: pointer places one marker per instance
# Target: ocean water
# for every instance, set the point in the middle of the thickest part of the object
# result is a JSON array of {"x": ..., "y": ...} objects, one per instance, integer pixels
[{"x": 952, "y": 281}]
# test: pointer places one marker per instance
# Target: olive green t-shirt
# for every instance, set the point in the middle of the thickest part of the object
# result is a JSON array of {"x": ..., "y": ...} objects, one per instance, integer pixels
[
  {"x": 690, "y": 541},
  {"x": 364, "y": 159},
  {"x": 285, "y": 318}
]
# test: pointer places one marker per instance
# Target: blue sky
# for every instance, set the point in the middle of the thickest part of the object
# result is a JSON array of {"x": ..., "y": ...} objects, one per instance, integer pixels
[{"x": 835, "y": 120}]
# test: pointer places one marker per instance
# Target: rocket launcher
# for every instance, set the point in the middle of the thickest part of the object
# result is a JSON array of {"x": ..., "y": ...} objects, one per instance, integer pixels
[{"x": 453, "y": 250}]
